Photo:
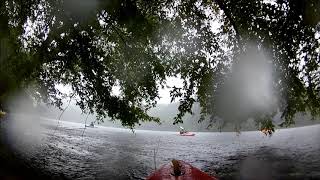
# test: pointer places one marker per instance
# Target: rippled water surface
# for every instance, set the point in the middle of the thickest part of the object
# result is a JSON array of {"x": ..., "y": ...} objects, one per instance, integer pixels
[{"x": 110, "y": 153}]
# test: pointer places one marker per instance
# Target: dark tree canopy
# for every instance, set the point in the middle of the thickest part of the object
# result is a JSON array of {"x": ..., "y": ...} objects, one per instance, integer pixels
[{"x": 94, "y": 46}]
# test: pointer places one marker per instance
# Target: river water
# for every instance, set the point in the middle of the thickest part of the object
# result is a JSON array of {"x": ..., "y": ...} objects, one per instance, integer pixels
[{"x": 64, "y": 151}]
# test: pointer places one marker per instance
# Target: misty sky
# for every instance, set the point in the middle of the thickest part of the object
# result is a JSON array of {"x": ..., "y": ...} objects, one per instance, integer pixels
[{"x": 163, "y": 93}]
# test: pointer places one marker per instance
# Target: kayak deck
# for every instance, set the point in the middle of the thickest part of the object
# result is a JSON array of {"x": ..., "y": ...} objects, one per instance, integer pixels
[{"x": 188, "y": 172}]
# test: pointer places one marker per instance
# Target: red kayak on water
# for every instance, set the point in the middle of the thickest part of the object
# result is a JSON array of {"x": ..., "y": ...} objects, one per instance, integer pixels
[
  {"x": 179, "y": 170},
  {"x": 187, "y": 134},
  {"x": 183, "y": 132}
]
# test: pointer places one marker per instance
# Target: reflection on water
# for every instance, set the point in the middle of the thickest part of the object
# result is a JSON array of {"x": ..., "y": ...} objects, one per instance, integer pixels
[{"x": 110, "y": 153}]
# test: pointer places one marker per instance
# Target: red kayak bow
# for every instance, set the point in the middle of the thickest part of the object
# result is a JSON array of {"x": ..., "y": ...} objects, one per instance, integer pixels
[{"x": 179, "y": 170}]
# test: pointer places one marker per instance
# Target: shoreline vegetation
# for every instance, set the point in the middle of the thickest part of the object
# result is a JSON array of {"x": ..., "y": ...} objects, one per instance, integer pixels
[
  {"x": 166, "y": 124},
  {"x": 166, "y": 114}
]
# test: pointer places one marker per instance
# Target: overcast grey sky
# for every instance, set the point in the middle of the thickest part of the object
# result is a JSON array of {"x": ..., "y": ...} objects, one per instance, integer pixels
[{"x": 163, "y": 93}]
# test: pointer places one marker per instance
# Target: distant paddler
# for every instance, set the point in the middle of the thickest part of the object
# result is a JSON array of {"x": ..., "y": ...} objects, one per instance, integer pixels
[
  {"x": 182, "y": 130},
  {"x": 91, "y": 125},
  {"x": 266, "y": 131}
]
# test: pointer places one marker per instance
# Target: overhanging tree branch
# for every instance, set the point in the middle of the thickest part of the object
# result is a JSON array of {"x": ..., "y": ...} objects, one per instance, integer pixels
[{"x": 228, "y": 14}]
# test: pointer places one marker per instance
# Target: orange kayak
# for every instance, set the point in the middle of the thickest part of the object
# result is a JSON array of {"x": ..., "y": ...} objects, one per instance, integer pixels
[{"x": 185, "y": 171}]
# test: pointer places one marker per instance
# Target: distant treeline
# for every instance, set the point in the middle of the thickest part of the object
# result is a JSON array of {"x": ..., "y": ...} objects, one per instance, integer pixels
[{"x": 166, "y": 112}]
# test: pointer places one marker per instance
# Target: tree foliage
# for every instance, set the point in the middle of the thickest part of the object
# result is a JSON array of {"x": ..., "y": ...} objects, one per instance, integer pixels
[{"x": 95, "y": 46}]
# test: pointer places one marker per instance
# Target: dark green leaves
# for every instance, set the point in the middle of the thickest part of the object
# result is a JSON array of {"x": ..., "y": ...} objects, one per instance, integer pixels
[{"x": 134, "y": 45}]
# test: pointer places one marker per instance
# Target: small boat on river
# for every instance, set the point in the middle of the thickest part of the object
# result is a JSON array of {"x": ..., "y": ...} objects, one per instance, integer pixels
[
  {"x": 183, "y": 132},
  {"x": 187, "y": 134},
  {"x": 91, "y": 125}
]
